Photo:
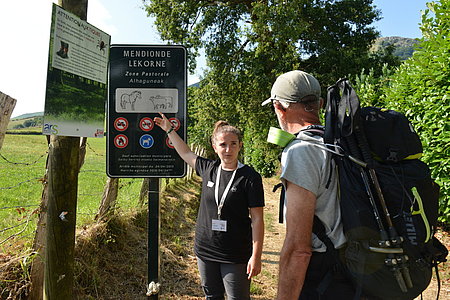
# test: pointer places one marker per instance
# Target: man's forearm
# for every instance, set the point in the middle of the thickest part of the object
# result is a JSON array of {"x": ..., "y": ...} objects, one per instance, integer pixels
[{"x": 293, "y": 266}]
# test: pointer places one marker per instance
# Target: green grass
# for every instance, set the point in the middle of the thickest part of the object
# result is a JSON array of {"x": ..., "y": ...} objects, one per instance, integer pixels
[{"x": 22, "y": 165}]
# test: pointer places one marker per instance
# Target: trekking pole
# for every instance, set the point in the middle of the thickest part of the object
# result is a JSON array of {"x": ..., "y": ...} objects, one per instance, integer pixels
[
  {"x": 397, "y": 262},
  {"x": 394, "y": 255},
  {"x": 355, "y": 156},
  {"x": 362, "y": 145},
  {"x": 384, "y": 242}
]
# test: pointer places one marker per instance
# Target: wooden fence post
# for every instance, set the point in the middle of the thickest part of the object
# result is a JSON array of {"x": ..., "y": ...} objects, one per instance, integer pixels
[
  {"x": 109, "y": 199},
  {"x": 63, "y": 167},
  {"x": 7, "y": 105}
]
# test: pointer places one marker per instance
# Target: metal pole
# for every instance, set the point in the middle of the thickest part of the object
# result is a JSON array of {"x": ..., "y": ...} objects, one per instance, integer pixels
[{"x": 153, "y": 239}]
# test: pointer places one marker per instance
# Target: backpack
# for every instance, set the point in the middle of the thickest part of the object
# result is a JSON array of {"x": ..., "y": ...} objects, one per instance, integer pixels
[{"x": 389, "y": 203}]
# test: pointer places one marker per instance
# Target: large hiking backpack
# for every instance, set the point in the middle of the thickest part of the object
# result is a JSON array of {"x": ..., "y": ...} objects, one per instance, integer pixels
[{"x": 389, "y": 203}]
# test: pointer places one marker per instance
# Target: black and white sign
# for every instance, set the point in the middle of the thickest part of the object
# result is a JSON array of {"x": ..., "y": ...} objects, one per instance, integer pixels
[{"x": 145, "y": 80}]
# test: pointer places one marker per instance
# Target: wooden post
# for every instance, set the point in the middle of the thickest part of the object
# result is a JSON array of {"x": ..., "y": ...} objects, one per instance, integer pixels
[
  {"x": 109, "y": 199},
  {"x": 61, "y": 217},
  {"x": 63, "y": 169},
  {"x": 38, "y": 264},
  {"x": 143, "y": 194},
  {"x": 7, "y": 105}
]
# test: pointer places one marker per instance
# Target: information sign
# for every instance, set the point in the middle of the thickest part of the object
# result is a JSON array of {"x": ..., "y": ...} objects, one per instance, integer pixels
[
  {"x": 76, "y": 77},
  {"x": 143, "y": 81}
]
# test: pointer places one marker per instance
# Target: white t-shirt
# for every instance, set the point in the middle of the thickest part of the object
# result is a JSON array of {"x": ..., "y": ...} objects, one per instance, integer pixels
[{"x": 308, "y": 166}]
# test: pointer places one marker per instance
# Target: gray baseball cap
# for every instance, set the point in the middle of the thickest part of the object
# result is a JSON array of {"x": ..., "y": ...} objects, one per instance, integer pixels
[{"x": 293, "y": 86}]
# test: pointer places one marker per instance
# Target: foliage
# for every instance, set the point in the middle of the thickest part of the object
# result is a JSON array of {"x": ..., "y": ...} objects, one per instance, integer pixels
[
  {"x": 370, "y": 88},
  {"x": 248, "y": 43},
  {"x": 420, "y": 88}
]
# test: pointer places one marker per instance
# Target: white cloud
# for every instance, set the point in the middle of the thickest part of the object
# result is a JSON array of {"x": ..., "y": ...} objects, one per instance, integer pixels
[
  {"x": 100, "y": 17},
  {"x": 24, "y": 52}
]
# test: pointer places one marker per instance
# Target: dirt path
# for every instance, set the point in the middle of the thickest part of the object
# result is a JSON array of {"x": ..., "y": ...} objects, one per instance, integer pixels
[
  {"x": 186, "y": 286},
  {"x": 265, "y": 284}
]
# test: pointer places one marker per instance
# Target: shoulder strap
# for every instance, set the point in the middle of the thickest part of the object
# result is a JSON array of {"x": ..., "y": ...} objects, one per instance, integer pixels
[
  {"x": 341, "y": 111},
  {"x": 281, "y": 205}
]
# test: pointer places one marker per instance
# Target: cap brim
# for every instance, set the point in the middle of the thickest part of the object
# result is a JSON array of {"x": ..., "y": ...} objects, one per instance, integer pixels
[{"x": 267, "y": 101}]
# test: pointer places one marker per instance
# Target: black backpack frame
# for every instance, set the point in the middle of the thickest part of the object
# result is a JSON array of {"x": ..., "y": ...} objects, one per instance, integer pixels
[{"x": 389, "y": 203}]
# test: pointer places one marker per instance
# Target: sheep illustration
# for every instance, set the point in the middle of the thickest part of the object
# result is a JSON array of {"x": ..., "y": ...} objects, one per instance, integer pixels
[
  {"x": 161, "y": 102},
  {"x": 130, "y": 98}
]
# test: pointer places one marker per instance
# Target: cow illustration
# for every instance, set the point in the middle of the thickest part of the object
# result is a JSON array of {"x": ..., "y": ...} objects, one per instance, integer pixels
[
  {"x": 130, "y": 99},
  {"x": 161, "y": 102}
]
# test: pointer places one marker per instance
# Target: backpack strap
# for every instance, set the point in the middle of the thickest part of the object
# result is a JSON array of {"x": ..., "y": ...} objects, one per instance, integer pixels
[
  {"x": 281, "y": 204},
  {"x": 319, "y": 231},
  {"x": 310, "y": 130}
]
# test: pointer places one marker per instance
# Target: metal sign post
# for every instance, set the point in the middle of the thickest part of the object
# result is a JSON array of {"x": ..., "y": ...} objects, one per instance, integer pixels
[
  {"x": 144, "y": 81},
  {"x": 153, "y": 238}
]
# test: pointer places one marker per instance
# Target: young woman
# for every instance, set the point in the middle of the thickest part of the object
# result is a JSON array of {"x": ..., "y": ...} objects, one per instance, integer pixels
[{"x": 230, "y": 226}]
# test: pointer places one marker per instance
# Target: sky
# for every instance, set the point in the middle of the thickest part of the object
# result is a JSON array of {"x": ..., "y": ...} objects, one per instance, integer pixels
[{"x": 25, "y": 34}]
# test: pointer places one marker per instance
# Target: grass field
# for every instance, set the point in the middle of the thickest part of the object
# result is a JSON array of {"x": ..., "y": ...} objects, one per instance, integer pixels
[{"x": 22, "y": 167}]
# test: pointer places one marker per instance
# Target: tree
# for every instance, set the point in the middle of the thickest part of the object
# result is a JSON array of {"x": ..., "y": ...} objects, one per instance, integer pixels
[{"x": 248, "y": 43}]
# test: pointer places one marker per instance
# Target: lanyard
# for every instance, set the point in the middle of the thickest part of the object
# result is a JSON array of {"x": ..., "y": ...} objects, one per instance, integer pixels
[{"x": 225, "y": 192}]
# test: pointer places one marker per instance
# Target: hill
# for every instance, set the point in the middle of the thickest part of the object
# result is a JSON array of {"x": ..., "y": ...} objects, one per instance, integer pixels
[
  {"x": 404, "y": 47},
  {"x": 30, "y": 123},
  {"x": 28, "y": 116}
]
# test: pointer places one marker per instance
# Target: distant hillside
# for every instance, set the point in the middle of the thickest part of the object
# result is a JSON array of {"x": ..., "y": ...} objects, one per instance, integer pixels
[
  {"x": 28, "y": 116},
  {"x": 26, "y": 123},
  {"x": 404, "y": 47}
]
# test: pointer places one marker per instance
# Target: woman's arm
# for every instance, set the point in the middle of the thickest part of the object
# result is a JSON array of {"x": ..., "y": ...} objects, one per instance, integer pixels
[
  {"x": 254, "y": 264},
  {"x": 180, "y": 146}
]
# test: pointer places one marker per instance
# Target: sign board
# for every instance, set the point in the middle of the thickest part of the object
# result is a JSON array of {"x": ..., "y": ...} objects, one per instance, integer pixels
[
  {"x": 76, "y": 77},
  {"x": 143, "y": 81}
]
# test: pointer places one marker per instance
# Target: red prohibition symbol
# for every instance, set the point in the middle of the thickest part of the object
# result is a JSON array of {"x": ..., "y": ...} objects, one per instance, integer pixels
[
  {"x": 121, "y": 124},
  {"x": 121, "y": 141},
  {"x": 169, "y": 144},
  {"x": 175, "y": 123},
  {"x": 146, "y": 124}
]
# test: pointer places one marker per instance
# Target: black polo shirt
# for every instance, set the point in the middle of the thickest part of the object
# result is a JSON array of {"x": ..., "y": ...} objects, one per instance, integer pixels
[{"x": 234, "y": 245}]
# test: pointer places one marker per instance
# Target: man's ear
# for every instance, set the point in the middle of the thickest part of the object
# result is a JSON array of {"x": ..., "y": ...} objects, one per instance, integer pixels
[
  {"x": 322, "y": 103},
  {"x": 278, "y": 105}
]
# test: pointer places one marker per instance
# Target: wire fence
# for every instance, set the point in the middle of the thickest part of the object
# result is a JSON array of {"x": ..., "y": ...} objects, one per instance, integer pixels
[
  {"x": 22, "y": 184},
  {"x": 23, "y": 179}
]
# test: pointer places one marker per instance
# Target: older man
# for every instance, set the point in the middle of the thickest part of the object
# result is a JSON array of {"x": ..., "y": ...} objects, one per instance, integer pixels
[{"x": 310, "y": 187}]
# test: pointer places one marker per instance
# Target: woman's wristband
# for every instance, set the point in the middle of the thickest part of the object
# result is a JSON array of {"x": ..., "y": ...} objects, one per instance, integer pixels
[{"x": 169, "y": 131}]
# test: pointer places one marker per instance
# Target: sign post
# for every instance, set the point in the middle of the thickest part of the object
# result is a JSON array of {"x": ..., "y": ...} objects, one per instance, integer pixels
[{"x": 144, "y": 81}]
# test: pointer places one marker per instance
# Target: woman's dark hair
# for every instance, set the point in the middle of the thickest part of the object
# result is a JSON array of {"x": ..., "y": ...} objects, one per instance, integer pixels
[{"x": 224, "y": 126}]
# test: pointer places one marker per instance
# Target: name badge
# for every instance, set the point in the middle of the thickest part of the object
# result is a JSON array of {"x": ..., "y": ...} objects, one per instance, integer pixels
[
  {"x": 219, "y": 225},
  {"x": 210, "y": 184}
]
